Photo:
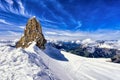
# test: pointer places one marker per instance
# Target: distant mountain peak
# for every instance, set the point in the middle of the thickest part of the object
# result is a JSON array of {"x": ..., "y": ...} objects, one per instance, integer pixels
[{"x": 32, "y": 32}]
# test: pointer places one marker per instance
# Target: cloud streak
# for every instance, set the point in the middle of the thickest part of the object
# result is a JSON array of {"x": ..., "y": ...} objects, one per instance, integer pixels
[
  {"x": 80, "y": 35},
  {"x": 13, "y": 6},
  {"x": 54, "y": 34},
  {"x": 4, "y": 22}
]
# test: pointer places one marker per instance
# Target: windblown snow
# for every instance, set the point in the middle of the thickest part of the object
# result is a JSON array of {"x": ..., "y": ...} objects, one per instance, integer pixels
[{"x": 51, "y": 64}]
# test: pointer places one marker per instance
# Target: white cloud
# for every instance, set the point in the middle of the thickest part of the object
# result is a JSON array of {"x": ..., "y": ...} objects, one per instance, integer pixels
[
  {"x": 3, "y": 21},
  {"x": 9, "y": 1},
  {"x": 53, "y": 34},
  {"x": 21, "y": 27},
  {"x": 80, "y": 35},
  {"x": 79, "y": 25},
  {"x": 10, "y": 35},
  {"x": 22, "y": 10},
  {"x": 10, "y": 8},
  {"x": 46, "y": 20},
  {"x": 13, "y": 33}
]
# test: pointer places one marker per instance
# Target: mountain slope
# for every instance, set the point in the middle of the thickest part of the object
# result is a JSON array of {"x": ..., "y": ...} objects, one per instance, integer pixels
[
  {"x": 91, "y": 68},
  {"x": 33, "y": 64},
  {"x": 28, "y": 64}
]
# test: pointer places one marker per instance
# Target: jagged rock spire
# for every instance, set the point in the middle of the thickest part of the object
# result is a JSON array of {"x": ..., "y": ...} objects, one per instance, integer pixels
[{"x": 32, "y": 32}]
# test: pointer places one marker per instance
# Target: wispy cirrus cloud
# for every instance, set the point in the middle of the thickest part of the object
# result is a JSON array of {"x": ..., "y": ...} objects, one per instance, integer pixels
[
  {"x": 22, "y": 9},
  {"x": 13, "y": 6},
  {"x": 79, "y": 25},
  {"x": 63, "y": 12},
  {"x": 9, "y": 1},
  {"x": 68, "y": 19},
  {"x": 4, "y": 22}
]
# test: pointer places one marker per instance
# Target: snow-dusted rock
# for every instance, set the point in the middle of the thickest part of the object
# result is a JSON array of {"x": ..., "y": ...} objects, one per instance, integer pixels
[
  {"x": 116, "y": 58},
  {"x": 32, "y": 32}
]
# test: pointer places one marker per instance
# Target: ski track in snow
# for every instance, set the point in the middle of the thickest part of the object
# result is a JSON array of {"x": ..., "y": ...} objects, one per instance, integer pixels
[{"x": 33, "y": 64}]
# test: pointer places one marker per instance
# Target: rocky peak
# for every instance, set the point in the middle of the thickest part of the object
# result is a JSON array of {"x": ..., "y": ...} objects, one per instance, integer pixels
[{"x": 32, "y": 32}]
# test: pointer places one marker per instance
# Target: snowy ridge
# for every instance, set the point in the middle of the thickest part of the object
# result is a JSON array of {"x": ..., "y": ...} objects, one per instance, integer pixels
[
  {"x": 33, "y": 64},
  {"x": 15, "y": 65},
  {"x": 19, "y": 64},
  {"x": 28, "y": 64}
]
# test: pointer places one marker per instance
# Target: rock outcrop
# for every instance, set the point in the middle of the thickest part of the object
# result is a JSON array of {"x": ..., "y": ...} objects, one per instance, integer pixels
[
  {"x": 116, "y": 58},
  {"x": 32, "y": 32}
]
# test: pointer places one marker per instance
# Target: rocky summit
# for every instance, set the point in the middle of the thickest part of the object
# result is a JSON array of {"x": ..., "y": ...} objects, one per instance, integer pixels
[{"x": 32, "y": 32}]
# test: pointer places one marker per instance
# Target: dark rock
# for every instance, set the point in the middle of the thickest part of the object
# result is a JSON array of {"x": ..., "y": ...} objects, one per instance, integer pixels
[
  {"x": 103, "y": 53},
  {"x": 116, "y": 58},
  {"x": 32, "y": 32}
]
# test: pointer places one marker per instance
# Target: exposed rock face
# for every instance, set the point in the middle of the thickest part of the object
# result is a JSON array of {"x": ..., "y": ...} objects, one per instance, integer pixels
[
  {"x": 32, "y": 32},
  {"x": 116, "y": 58}
]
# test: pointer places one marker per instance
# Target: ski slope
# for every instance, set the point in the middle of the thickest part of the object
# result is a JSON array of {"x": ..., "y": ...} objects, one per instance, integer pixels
[{"x": 51, "y": 64}]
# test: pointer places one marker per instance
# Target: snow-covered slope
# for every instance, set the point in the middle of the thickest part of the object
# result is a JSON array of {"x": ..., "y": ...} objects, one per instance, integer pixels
[
  {"x": 82, "y": 68},
  {"x": 28, "y": 64},
  {"x": 33, "y": 64}
]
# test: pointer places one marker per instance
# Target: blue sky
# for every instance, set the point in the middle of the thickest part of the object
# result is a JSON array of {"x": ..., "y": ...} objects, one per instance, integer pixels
[{"x": 71, "y": 19}]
